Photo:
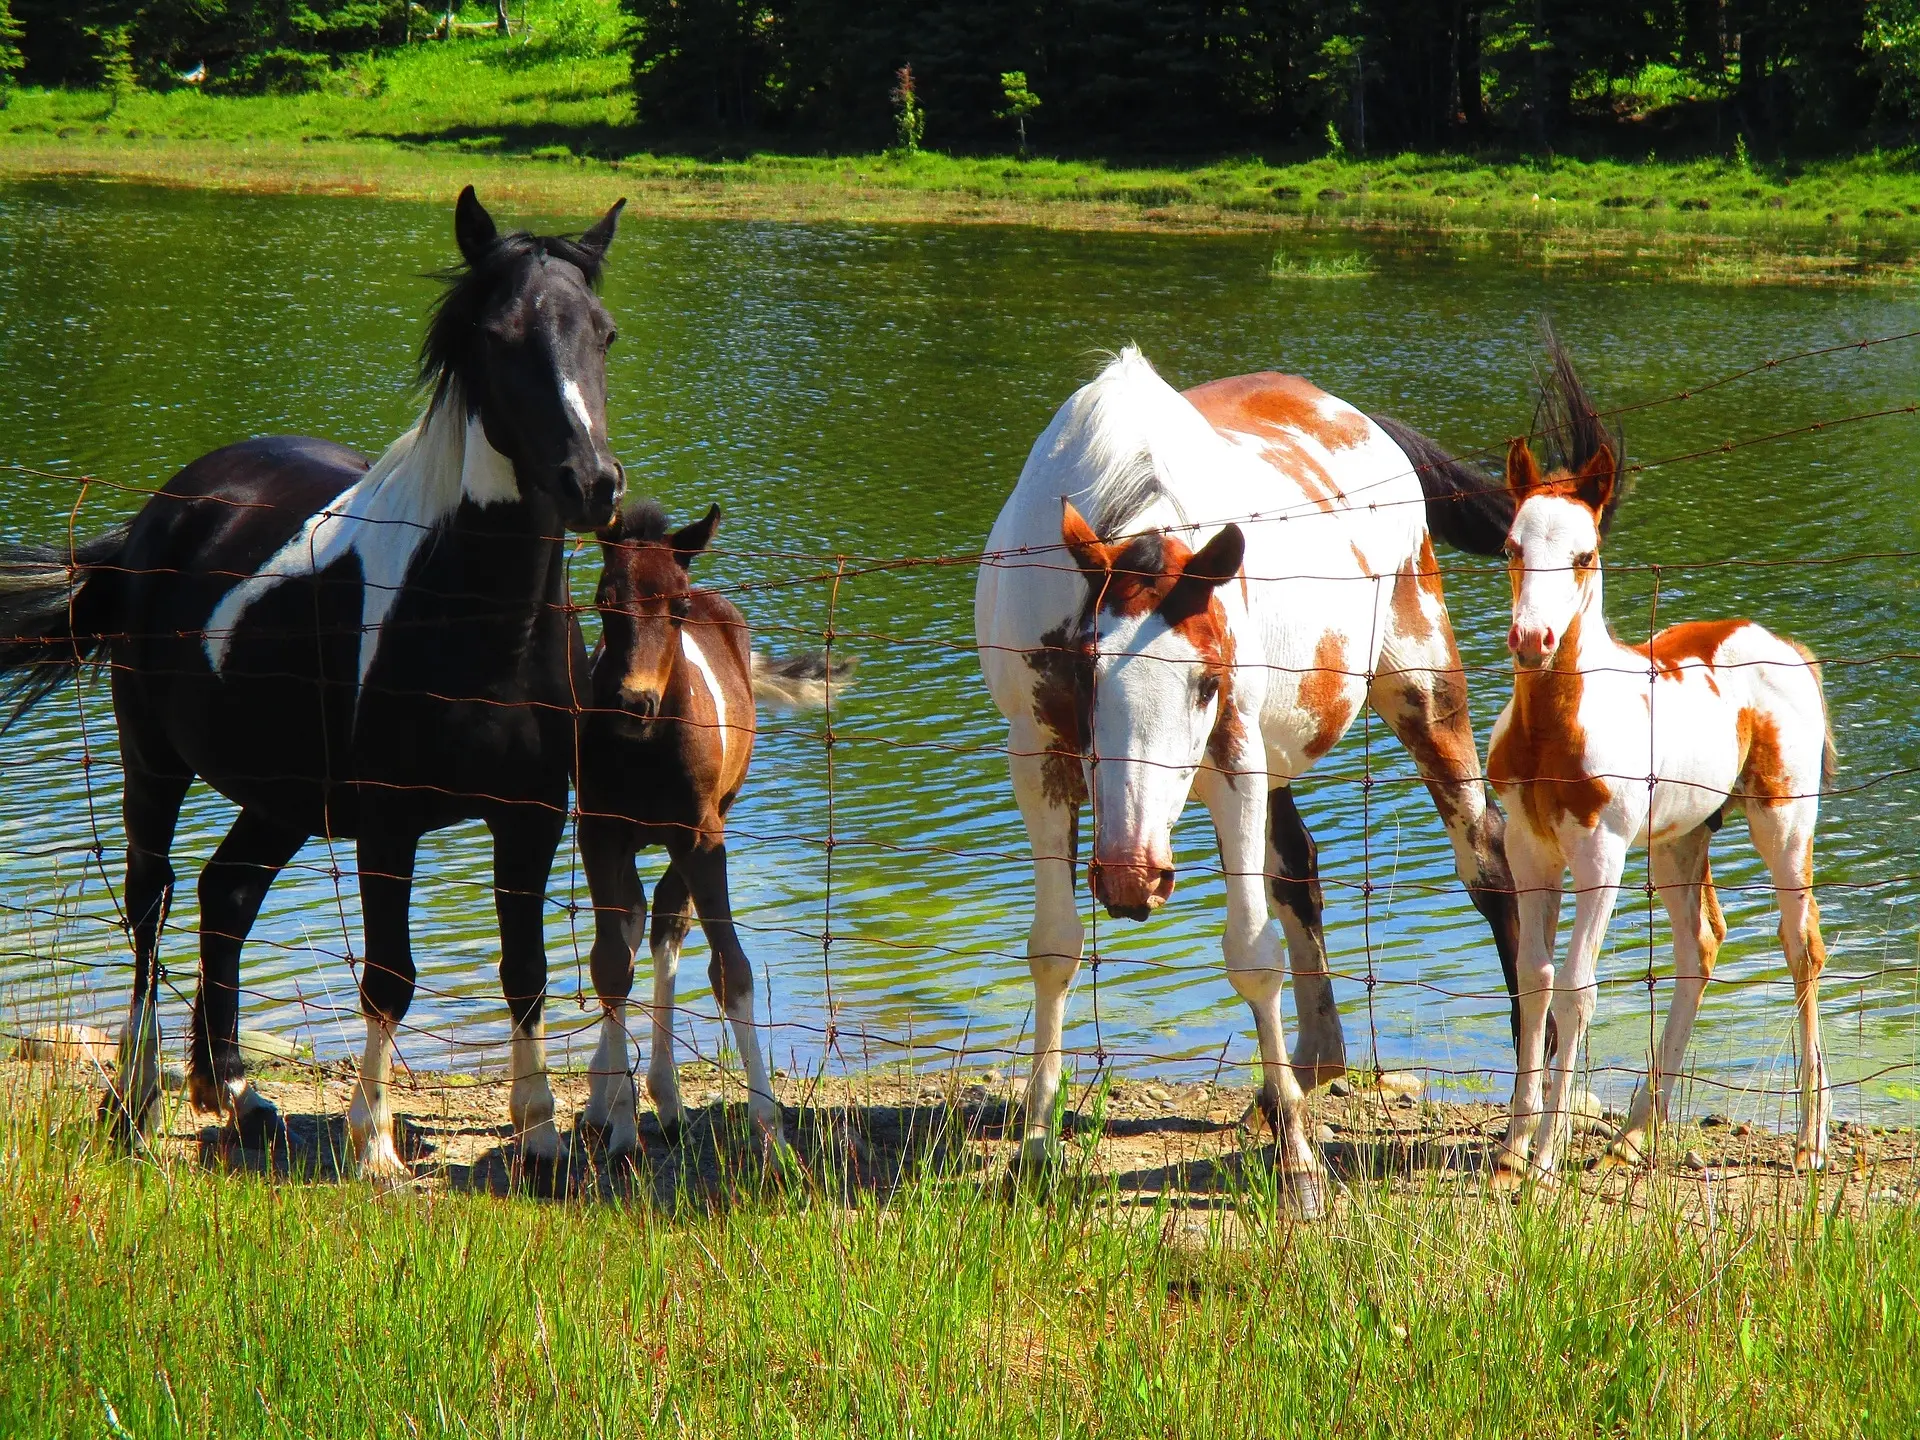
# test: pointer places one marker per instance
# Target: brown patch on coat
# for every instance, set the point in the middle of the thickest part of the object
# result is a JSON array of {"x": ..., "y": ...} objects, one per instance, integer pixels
[
  {"x": 1763, "y": 764},
  {"x": 1416, "y": 577},
  {"x": 1360, "y": 560},
  {"x": 1323, "y": 694},
  {"x": 1695, "y": 641},
  {"x": 1715, "y": 920},
  {"x": 1063, "y": 705},
  {"x": 1428, "y": 712},
  {"x": 1543, "y": 749},
  {"x": 1277, "y": 410}
]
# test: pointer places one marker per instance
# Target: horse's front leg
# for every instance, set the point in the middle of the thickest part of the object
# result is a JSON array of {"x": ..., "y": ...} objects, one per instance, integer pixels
[
  {"x": 1057, "y": 935},
  {"x": 524, "y": 840},
  {"x": 1293, "y": 867},
  {"x": 702, "y": 865},
  {"x": 1255, "y": 965},
  {"x": 386, "y": 990},
  {"x": 619, "y": 920}
]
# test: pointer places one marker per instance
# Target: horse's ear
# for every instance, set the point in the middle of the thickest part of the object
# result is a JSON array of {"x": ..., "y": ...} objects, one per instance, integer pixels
[
  {"x": 690, "y": 540},
  {"x": 1217, "y": 561},
  {"x": 1593, "y": 484},
  {"x": 1523, "y": 471},
  {"x": 1088, "y": 552},
  {"x": 601, "y": 235},
  {"x": 610, "y": 533},
  {"x": 473, "y": 227}
]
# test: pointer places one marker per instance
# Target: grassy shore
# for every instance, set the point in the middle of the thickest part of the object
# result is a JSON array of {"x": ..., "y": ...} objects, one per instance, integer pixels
[
  {"x": 165, "y": 1297},
  {"x": 546, "y": 128}
]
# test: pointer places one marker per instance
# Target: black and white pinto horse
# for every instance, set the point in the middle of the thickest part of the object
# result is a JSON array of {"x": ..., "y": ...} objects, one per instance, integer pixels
[{"x": 365, "y": 652}]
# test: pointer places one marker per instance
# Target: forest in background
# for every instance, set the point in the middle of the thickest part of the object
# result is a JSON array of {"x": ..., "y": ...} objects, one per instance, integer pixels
[{"x": 1097, "y": 77}]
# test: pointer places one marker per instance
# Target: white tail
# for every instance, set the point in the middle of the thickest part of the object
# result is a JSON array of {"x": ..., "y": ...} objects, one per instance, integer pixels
[{"x": 800, "y": 682}]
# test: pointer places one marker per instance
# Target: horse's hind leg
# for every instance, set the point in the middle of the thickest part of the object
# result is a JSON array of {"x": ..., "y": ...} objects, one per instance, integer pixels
[
  {"x": 672, "y": 917},
  {"x": 703, "y": 865},
  {"x": 1293, "y": 868},
  {"x": 523, "y": 847},
  {"x": 151, "y": 806},
  {"x": 1420, "y": 691},
  {"x": 1681, "y": 873},
  {"x": 231, "y": 890},
  {"x": 1783, "y": 833},
  {"x": 619, "y": 919}
]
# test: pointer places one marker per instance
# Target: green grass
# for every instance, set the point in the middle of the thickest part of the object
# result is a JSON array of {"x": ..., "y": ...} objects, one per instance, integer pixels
[
  {"x": 1346, "y": 265},
  {"x": 196, "y": 1303},
  {"x": 554, "y": 129}
]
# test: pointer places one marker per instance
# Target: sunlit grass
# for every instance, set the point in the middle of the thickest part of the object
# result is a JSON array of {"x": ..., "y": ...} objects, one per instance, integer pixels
[
  {"x": 196, "y": 1303},
  {"x": 1349, "y": 265}
]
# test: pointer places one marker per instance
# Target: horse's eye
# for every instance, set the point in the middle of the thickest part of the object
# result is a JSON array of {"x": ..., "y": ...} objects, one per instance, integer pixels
[
  {"x": 680, "y": 607},
  {"x": 1585, "y": 560},
  {"x": 1209, "y": 687},
  {"x": 612, "y": 335}
]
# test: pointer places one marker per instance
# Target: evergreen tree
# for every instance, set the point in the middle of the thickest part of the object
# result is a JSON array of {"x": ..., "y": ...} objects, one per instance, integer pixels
[{"x": 12, "y": 61}]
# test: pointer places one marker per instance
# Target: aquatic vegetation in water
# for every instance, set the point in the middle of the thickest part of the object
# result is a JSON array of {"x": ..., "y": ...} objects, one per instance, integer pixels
[{"x": 1348, "y": 265}]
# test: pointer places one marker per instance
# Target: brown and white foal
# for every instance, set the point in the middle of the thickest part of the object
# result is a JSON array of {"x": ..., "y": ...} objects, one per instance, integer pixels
[
  {"x": 1606, "y": 746},
  {"x": 663, "y": 754}
]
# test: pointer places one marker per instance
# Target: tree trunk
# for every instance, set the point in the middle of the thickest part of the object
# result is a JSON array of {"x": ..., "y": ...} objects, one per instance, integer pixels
[
  {"x": 1467, "y": 61},
  {"x": 500, "y": 17}
]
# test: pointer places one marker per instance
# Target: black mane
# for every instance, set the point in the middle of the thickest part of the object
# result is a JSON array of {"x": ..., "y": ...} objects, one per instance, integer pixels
[
  {"x": 1570, "y": 427},
  {"x": 448, "y": 355},
  {"x": 642, "y": 522}
]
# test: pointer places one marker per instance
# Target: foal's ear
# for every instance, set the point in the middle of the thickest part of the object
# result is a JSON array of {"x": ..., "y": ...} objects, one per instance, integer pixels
[
  {"x": 1217, "y": 561},
  {"x": 473, "y": 227},
  {"x": 600, "y": 236},
  {"x": 1523, "y": 471},
  {"x": 1087, "y": 549},
  {"x": 690, "y": 540},
  {"x": 1593, "y": 482}
]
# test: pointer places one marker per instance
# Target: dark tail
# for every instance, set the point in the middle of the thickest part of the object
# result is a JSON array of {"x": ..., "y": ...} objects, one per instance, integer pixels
[
  {"x": 801, "y": 682},
  {"x": 57, "y": 606},
  {"x": 1570, "y": 428},
  {"x": 1466, "y": 507}
]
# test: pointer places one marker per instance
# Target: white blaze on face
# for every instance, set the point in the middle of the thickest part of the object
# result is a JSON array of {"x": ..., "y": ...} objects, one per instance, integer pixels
[
  {"x": 1149, "y": 736},
  {"x": 576, "y": 402},
  {"x": 691, "y": 649},
  {"x": 1549, "y": 533}
]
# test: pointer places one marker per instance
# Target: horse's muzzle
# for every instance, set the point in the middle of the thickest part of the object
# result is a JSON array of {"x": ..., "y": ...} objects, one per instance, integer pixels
[{"x": 1130, "y": 889}]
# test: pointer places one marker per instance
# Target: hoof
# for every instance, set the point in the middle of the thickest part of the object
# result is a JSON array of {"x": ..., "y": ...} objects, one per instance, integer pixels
[
  {"x": 126, "y": 1126},
  {"x": 1304, "y": 1193},
  {"x": 380, "y": 1164},
  {"x": 1509, "y": 1174},
  {"x": 1807, "y": 1158},
  {"x": 1036, "y": 1165},
  {"x": 259, "y": 1127},
  {"x": 1622, "y": 1154}
]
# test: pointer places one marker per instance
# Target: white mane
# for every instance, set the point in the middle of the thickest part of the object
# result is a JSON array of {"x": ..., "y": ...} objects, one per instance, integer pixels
[{"x": 384, "y": 518}]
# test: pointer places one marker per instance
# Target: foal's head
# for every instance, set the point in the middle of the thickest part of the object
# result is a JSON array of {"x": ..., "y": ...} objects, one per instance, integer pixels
[
  {"x": 644, "y": 597},
  {"x": 520, "y": 339},
  {"x": 1553, "y": 548},
  {"x": 1162, "y": 660}
]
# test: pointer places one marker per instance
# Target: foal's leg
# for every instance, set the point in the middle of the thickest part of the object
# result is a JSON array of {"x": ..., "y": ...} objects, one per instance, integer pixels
[
  {"x": 703, "y": 865},
  {"x": 1681, "y": 874},
  {"x": 1784, "y": 836},
  {"x": 1420, "y": 691},
  {"x": 1293, "y": 863},
  {"x": 1538, "y": 871},
  {"x": 386, "y": 990},
  {"x": 1057, "y": 934},
  {"x": 672, "y": 918},
  {"x": 151, "y": 806},
  {"x": 523, "y": 844},
  {"x": 1253, "y": 945},
  {"x": 619, "y": 918},
  {"x": 231, "y": 889},
  {"x": 1595, "y": 861}
]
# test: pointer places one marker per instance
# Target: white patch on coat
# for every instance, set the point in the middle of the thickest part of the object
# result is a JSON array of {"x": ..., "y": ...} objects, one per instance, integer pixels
[
  {"x": 384, "y": 519},
  {"x": 691, "y": 648},
  {"x": 570, "y": 392}
]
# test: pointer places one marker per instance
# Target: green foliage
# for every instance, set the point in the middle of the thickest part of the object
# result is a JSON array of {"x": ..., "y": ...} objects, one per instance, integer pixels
[
  {"x": 1892, "y": 44},
  {"x": 1021, "y": 102},
  {"x": 116, "y": 64},
  {"x": 11, "y": 59},
  {"x": 909, "y": 120},
  {"x": 573, "y": 28}
]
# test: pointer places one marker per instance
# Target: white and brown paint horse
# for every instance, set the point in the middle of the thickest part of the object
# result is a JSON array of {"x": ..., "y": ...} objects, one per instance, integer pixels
[
  {"x": 1723, "y": 712},
  {"x": 1162, "y": 652},
  {"x": 664, "y": 751}
]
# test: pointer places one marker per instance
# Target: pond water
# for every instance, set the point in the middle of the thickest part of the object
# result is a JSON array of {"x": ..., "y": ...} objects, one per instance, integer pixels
[{"x": 871, "y": 393}]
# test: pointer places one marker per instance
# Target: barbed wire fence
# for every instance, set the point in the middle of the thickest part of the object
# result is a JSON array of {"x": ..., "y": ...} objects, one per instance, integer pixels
[{"x": 66, "y": 956}]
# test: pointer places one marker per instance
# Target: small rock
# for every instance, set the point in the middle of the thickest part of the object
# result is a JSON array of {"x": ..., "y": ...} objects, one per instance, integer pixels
[
  {"x": 1695, "y": 1160},
  {"x": 1323, "y": 1134},
  {"x": 1712, "y": 1122},
  {"x": 1404, "y": 1102},
  {"x": 1743, "y": 1129},
  {"x": 1403, "y": 1083},
  {"x": 259, "y": 1045},
  {"x": 1890, "y": 1195},
  {"x": 992, "y": 1077},
  {"x": 1340, "y": 1089},
  {"x": 67, "y": 1045},
  {"x": 1585, "y": 1102},
  {"x": 1159, "y": 1094}
]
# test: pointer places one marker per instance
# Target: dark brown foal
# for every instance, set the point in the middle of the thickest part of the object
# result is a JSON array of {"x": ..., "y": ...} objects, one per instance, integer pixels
[{"x": 663, "y": 752}]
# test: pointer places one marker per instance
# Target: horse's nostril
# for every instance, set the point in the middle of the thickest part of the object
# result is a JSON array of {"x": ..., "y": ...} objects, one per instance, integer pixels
[
  {"x": 1513, "y": 638},
  {"x": 1546, "y": 638}
]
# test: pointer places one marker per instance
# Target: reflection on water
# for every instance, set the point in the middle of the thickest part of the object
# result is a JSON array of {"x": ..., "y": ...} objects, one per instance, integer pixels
[{"x": 871, "y": 393}]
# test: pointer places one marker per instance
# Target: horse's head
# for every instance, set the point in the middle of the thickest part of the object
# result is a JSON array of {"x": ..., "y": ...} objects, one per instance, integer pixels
[
  {"x": 1162, "y": 666},
  {"x": 1553, "y": 548},
  {"x": 644, "y": 596},
  {"x": 520, "y": 339}
]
